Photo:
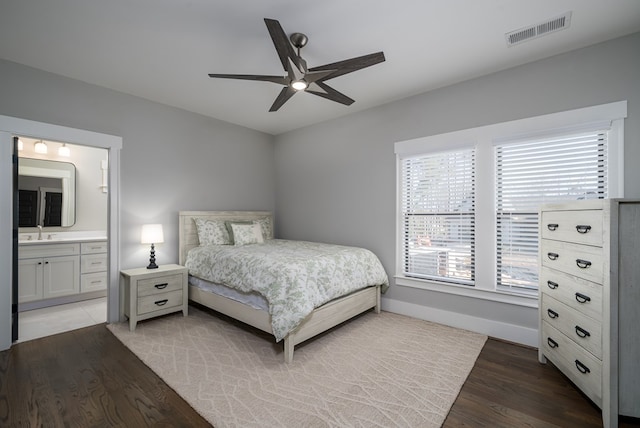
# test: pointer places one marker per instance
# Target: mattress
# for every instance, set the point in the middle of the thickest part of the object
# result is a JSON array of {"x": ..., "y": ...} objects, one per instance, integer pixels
[{"x": 253, "y": 299}]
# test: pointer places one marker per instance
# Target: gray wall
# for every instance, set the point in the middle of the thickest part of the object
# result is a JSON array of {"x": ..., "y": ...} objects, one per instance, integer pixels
[
  {"x": 171, "y": 159},
  {"x": 336, "y": 180}
]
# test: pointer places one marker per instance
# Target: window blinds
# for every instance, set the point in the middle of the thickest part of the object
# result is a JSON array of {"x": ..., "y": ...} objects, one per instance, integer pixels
[
  {"x": 539, "y": 171},
  {"x": 438, "y": 209}
]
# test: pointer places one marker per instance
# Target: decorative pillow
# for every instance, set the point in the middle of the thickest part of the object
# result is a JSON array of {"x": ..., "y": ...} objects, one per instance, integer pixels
[
  {"x": 227, "y": 225},
  {"x": 244, "y": 234},
  {"x": 212, "y": 232},
  {"x": 265, "y": 225}
]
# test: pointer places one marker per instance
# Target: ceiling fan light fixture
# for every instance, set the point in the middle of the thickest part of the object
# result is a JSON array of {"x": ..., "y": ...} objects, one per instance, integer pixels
[{"x": 299, "y": 85}]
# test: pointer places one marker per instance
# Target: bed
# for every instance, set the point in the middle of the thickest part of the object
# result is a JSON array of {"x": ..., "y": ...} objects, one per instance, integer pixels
[{"x": 320, "y": 319}]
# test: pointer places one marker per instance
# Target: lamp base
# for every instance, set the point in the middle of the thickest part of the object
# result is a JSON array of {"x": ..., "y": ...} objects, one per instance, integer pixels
[{"x": 152, "y": 259}]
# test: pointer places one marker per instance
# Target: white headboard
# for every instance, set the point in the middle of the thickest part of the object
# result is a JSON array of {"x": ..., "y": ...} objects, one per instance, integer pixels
[{"x": 188, "y": 234}]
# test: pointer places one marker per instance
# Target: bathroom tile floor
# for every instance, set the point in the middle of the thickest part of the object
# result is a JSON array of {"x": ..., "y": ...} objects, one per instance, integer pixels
[{"x": 58, "y": 319}]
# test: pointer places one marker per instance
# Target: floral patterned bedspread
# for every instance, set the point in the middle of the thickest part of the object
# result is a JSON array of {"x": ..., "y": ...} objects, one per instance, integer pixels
[{"x": 294, "y": 276}]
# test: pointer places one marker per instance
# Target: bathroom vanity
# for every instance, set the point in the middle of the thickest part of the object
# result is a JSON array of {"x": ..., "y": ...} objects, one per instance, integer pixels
[{"x": 61, "y": 268}]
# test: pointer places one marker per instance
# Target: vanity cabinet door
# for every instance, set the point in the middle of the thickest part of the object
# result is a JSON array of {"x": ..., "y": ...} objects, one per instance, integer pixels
[
  {"x": 61, "y": 276},
  {"x": 30, "y": 274}
]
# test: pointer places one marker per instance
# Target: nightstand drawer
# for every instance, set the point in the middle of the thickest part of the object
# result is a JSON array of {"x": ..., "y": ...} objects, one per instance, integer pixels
[
  {"x": 579, "y": 365},
  {"x": 160, "y": 284},
  {"x": 159, "y": 301},
  {"x": 579, "y": 226},
  {"x": 584, "y": 331}
]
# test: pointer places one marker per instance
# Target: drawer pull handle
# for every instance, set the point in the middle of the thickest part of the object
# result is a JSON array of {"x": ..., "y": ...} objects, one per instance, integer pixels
[
  {"x": 582, "y": 332},
  {"x": 552, "y": 226},
  {"x": 96, "y": 282},
  {"x": 583, "y": 228},
  {"x": 552, "y": 313},
  {"x": 581, "y": 298},
  {"x": 553, "y": 256},
  {"x": 552, "y": 342},
  {"x": 583, "y": 264},
  {"x": 161, "y": 302},
  {"x": 582, "y": 368},
  {"x": 552, "y": 285},
  {"x": 161, "y": 286}
]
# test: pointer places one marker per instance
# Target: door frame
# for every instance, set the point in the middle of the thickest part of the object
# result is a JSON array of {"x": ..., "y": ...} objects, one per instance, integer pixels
[{"x": 12, "y": 126}]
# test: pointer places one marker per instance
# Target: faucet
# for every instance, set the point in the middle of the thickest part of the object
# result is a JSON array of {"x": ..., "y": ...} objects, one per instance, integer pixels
[{"x": 39, "y": 232}]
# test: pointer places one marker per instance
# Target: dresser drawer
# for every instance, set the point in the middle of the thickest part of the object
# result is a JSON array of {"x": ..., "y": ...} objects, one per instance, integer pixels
[
  {"x": 584, "y": 331},
  {"x": 582, "y": 261},
  {"x": 93, "y": 263},
  {"x": 159, "y": 284},
  {"x": 93, "y": 247},
  {"x": 577, "y": 364},
  {"x": 581, "y": 295},
  {"x": 579, "y": 226},
  {"x": 158, "y": 301}
]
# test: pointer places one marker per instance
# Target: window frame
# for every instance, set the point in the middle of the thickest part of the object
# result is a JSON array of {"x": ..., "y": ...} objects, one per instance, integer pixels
[{"x": 483, "y": 140}]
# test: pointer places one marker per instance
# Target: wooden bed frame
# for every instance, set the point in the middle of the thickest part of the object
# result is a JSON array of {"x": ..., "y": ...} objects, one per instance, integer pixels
[{"x": 320, "y": 320}]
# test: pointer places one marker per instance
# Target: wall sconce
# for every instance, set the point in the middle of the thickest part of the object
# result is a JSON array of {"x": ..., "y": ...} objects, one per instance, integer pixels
[
  {"x": 63, "y": 150},
  {"x": 40, "y": 147},
  {"x": 152, "y": 234},
  {"x": 20, "y": 145}
]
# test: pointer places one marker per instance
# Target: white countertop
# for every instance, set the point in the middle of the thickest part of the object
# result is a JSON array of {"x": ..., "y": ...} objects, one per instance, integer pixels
[{"x": 31, "y": 238}]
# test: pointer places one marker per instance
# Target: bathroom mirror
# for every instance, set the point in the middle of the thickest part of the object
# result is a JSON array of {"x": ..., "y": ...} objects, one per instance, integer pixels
[{"x": 46, "y": 193}]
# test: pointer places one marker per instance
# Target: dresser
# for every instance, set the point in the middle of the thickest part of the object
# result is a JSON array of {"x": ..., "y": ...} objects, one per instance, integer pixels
[
  {"x": 149, "y": 293},
  {"x": 590, "y": 300}
]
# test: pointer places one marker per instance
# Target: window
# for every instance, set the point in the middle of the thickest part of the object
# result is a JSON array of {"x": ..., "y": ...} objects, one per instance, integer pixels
[
  {"x": 467, "y": 205},
  {"x": 438, "y": 216},
  {"x": 558, "y": 168}
]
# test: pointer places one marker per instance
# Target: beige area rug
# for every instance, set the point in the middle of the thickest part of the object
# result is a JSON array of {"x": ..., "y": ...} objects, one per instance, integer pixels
[{"x": 377, "y": 370}]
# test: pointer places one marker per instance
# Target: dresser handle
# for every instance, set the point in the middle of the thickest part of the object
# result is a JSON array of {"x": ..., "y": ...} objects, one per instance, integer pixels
[
  {"x": 582, "y": 332},
  {"x": 583, "y": 228},
  {"x": 581, "y": 298},
  {"x": 552, "y": 342},
  {"x": 552, "y": 226},
  {"x": 161, "y": 286},
  {"x": 161, "y": 302},
  {"x": 552, "y": 285},
  {"x": 583, "y": 264},
  {"x": 552, "y": 256},
  {"x": 582, "y": 368},
  {"x": 552, "y": 313}
]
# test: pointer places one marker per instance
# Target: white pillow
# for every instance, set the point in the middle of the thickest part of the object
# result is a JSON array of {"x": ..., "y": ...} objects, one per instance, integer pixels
[
  {"x": 265, "y": 225},
  {"x": 244, "y": 234},
  {"x": 212, "y": 232}
]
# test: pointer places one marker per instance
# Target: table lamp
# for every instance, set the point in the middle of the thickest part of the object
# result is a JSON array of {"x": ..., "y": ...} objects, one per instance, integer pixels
[{"x": 152, "y": 234}]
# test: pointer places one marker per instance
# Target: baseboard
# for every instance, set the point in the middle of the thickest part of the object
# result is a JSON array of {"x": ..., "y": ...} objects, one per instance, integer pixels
[{"x": 513, "y": 333}]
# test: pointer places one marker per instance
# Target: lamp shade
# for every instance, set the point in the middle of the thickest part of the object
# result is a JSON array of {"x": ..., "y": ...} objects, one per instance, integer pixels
[{"x": 152, "y": 234}]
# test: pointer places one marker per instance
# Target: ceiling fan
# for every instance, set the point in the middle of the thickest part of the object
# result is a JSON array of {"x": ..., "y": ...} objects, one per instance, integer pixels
[{"x": 301, "y": 78}]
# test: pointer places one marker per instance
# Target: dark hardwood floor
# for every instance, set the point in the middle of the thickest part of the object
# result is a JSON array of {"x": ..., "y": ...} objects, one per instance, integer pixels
[{"x": 87, "y": 378}]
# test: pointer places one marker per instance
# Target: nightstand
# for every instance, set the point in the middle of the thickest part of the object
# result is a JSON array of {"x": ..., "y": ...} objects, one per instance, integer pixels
[{"x": 150, "y": 293}]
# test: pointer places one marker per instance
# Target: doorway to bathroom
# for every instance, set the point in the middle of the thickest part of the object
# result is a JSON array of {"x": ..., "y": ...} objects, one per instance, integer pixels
[
  {"x": 9, "y": 128},
  {"x": 62, "y": 237}
]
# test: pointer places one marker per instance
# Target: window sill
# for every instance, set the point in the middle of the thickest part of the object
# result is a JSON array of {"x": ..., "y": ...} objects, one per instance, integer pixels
[{"x": 530, "y": 301}]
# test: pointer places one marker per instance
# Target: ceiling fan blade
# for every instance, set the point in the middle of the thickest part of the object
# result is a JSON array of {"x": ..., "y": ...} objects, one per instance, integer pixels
[
  {"x": 282, "y": 44},
  {"x": 329, "y": 93},
  {"x": 350, "y": 65},
  {"x": 275, "y": 79},
  {"x": 284, "y": 95}
]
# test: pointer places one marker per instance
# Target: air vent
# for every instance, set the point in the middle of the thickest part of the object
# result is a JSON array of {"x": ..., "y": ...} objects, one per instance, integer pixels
[{"x": 534, "y": 31}]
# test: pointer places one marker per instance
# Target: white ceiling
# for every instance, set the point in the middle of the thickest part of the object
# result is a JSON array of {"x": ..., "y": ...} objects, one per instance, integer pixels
[{"x": 162, "y": 50}]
